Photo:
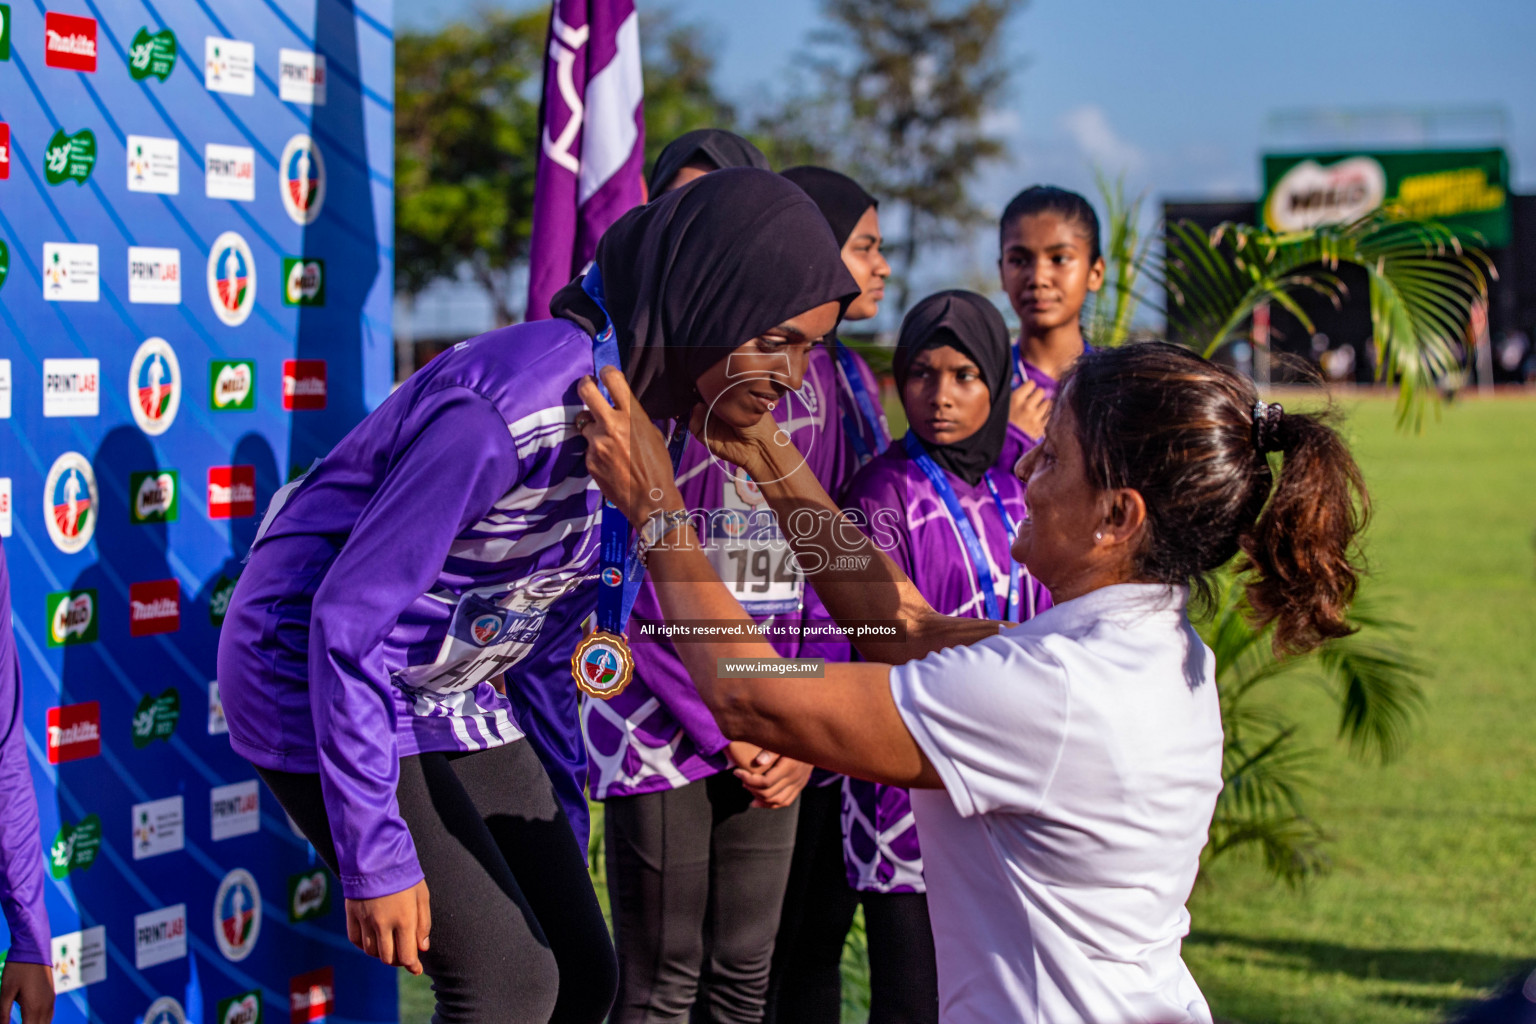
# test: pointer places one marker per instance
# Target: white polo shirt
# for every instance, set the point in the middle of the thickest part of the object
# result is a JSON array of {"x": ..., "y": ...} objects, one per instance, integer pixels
[{"x": 1081, "y": 759}]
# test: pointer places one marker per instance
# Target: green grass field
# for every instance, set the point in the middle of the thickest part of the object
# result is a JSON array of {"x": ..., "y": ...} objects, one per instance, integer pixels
[{"x": 1432, "y": 897}]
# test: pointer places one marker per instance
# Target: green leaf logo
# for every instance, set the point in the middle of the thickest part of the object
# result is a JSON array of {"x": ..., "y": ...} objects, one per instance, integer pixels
[
  {"x": 75, "y": 846},
  {"x": 156, "y": 718},
  {"x": 70, "y": 157},
  {"x": 152, "y": 54},
  {"x": 218, "y": 599}
]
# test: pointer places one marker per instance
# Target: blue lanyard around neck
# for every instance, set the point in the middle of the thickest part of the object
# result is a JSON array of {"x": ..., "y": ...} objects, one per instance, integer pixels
[
  {"x": 968, "y": 537},
  {"x": 621, "y": 571},
  {"x": 848, "y": 369}
]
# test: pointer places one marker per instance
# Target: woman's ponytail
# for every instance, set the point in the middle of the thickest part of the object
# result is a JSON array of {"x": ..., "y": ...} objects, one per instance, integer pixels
[{"x": 1302, "y": 547}]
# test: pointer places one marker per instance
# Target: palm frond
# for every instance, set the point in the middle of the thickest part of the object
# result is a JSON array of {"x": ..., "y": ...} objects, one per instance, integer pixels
[
  {"x": 1125, "y": 258},
  {"x": 1378, "y": 693}
]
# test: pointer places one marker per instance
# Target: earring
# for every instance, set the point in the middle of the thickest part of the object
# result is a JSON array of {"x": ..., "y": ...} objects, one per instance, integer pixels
[{"x": 1098, "y": 534}]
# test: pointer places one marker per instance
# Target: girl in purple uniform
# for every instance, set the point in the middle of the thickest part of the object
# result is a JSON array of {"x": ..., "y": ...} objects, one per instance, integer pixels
[
  {"x": 1049, "y": 260},
  {"x": 698, "y": 830},
  {"x": 448, "y": 542},
  {"x": 27, "y": 981}
]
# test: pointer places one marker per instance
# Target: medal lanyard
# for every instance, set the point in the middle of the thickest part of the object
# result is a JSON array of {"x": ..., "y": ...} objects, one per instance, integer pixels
[
  {"x": 622, "y": 570},
  {"x": 848, "y": 369},
  {"x": 978, "y": 554},
  {"x": 1015, "y": 570}
]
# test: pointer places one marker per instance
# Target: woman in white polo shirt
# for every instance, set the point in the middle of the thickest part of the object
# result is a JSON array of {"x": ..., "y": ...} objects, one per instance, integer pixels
[{"x": 1078, "y": 754}]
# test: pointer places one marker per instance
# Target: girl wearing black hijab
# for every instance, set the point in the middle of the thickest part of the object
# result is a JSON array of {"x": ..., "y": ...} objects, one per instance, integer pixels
[
  {"x": 696, "y": 153},
  {"x": 450, "y": 542}
]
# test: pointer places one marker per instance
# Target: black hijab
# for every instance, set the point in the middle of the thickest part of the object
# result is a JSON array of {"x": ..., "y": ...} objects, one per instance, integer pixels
[
  {"x": 970, "y": 323},
  {"x": 721, "y": 148},
  {"x": 841, "y": 199},
  {"x": 703, "y": 270}
]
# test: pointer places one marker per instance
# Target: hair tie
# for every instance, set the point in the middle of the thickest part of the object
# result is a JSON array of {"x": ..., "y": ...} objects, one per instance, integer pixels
[{"x": 1266, "y": 425}]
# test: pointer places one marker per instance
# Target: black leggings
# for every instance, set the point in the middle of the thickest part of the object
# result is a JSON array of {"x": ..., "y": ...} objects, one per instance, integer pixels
[
  {"x": 807, "y": 982},
  {"x": 517, "y": 933},
  {"x": 696, "y": 876}
]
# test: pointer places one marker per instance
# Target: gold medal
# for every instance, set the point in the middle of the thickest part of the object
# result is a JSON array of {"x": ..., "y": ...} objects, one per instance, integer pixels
[{"x": 602, "y": 665}]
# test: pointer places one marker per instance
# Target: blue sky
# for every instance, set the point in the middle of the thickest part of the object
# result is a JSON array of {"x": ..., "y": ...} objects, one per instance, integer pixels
[{"x": 1177, "y": 93}]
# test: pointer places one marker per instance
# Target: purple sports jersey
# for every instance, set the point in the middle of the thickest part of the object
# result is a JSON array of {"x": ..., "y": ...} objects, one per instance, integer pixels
[
  {"x": 907, "y": 518},
  {"x": 449, "y": 540},
  {"x": 1018, "y": 442},
  {"x": 658, "y": 734},
  {"x": 21, "y": 847}
]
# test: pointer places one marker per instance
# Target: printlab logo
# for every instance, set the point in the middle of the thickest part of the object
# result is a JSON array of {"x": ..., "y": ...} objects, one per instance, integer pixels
[
  {"x": 72, "y": 618},
  {"x": 218, "y": 600},
  {"x": 154, "y": 386},
  {"x": 301, "y": 77},
  {"x": 75, "y": 847},
  {"x": 69, "y": 502},
  {"x": 154, "y": 275},
  {"x": 232, "y": 385},
  {"x": 302, "y": 179},
  {"x": 312, "y": 996},
  {"x": 156, "y": 718},
  {"x": 154, "y": 165},
  {"x": 74, "y": 732},
  {"x": 303, "y": 281},
  {"x": 237, "y": 920},
  {"x": 244, "y": 1008},
  {"x": 235, "y": 810},
  {"x": 5, "y": 149},
  {"x": 160, "y": 936},
  {"x": 154, "y": 607},
  {"x": 71, "y": 272},
  {"x": 230, "y": 172},
  {"x": 309, "y": 896},
  {"x": 231, "y": 279},
  {"x": 229, "y": 65},
  {"x": 79, "y": 959},
  {"x": 158, "y": 827},
  {"x": 218, "y": 725},
  {"x": 231, "y": 492},
  {"x": 70, "y": 157},
  {"x": 152, "y": 54},
  {"x": 71, "y": 42},
  {"x": 71, "y": 387},
  {"x": 165, "y": 1010},
  {"x": 5, "y": 31},
  {"x": 154, "y": 496},
  {"x": 303, "y": 384}
]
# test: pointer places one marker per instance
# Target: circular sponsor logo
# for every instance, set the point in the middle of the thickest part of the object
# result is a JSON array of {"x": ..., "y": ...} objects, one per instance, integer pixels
[
  {"x": 231, "y": 278},
  {"x": 154, "y": 386},
  {"x": 485, "y": 628},
  {"x": 237, "y": 914},
  {"x": 612, "y": 577},
  {"x": 301, "y": 176},
  {"x": 165, "y": 1010},
  {"x": 600, "y": 664},
  {"x": 69, "y": 502},
  {"x": 734, "y": 523}
]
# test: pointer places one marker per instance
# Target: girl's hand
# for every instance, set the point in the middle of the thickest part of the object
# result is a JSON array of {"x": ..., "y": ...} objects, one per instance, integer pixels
[
  {"x": 394, "y": 928},
  {"x": 745, "y": 447},
  {"x": 626, "y": 454},
  {"x": 749, "y": 756},
  {"x": 778, "y": 784},
  {"x": 30, "y": 987},
  {"x": 1029, "y": 408}
]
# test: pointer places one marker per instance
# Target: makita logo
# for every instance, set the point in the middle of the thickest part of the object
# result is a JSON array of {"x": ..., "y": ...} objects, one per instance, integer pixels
[
  {"x": 74, "y": 732},
  {"x": 231, "y": 492},
  {"x": 80, "y": 46},
  {"x": 163, "y": 608},
  {"x": 304, "y": 384},
  {"x": 154, "y": 607},
  {"x": 71, "y": 42}
]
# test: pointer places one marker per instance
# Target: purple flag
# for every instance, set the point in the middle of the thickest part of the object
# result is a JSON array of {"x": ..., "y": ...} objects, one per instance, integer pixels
[{"x": 592, "y": 144}]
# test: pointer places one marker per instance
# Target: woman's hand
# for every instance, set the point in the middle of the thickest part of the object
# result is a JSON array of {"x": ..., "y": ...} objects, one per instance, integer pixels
[
  {"x": 394, "y": 928},
  {"x": 1029, "y": 409},
  {"x": 777, "y": 784},
  {"x": 30, "y": 987},
  {"x": 626, "y": 454}
]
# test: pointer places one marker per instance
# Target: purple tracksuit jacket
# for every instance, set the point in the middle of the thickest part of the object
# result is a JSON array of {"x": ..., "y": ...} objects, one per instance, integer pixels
[
  {"x": 910, "y": 522},
  {"x": 21, "y": 846},
  {"x": 448, "y": 540}
]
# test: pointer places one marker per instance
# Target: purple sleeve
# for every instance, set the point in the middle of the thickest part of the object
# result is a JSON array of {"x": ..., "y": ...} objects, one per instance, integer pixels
[
  {"x": 880, "y": 498},
  {"x": 451, "y": 461},
  {"x": 21, "y": 845}
]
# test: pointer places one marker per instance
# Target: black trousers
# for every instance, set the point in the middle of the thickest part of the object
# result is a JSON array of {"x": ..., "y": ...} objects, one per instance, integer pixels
[
  {"x": 696, "y": 878},
  {"x": 518, "y": 936},
  {"x": 807, "y": 983}
]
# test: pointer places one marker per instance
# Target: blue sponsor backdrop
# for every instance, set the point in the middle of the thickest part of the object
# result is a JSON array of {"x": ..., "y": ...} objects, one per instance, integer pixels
[{"x": 194, "y": 313}]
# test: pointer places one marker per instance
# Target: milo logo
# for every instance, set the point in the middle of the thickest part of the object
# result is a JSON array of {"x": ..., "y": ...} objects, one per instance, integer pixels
[
  {"x": 5, "y": 261},
  {"x": 152, "y": 54},
  {"x": 70, "y": 157},
  {"x": 75, "y": 847},
  {"x": 72, "y": 618},
  {"x": 156, "y": 496},
  {"x": 218, "y": 599},
  {"x": 244, "y": 1008},
  {"x": 309, "y": 896},
  {"x": 156, "y": 718},
  {"x": 232, "y": 385},
  {"x": 303, "y": 282}
]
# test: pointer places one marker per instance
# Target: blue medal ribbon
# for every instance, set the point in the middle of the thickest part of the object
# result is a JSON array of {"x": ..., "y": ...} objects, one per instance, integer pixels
[
  {"x": 978, "y": 555},
  {"x": 848, "y": 369},
  {"x": 621, "y": 571}
]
